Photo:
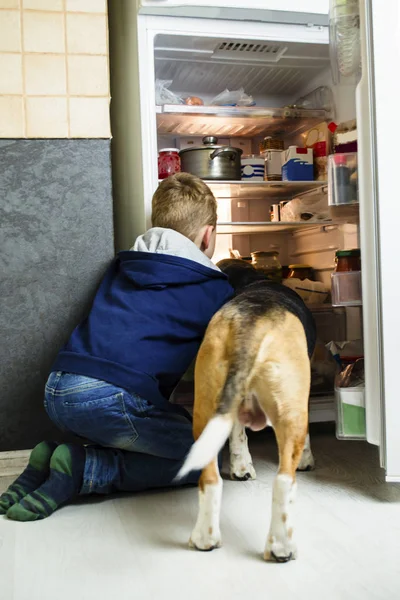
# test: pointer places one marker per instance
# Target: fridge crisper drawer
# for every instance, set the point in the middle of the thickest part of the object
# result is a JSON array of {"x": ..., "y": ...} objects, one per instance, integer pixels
[
  {"x": 350, "y": 413},
  {"x": 346, "y": 288}
]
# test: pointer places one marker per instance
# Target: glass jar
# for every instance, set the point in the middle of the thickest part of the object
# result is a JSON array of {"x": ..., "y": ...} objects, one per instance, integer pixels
[
  {"x": 300, "y": 272},
  {"x": 268, "y": 263},
  {"x": 348, "y": 260},
  {"x": 169, "y": 162}
]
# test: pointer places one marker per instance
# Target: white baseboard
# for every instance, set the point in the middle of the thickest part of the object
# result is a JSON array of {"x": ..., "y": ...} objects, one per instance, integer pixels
[{"x": 13, "y": 463}]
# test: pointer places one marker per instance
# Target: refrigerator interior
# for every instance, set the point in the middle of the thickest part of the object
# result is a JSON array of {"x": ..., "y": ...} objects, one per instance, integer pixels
[{"x": 275, "y": 74}]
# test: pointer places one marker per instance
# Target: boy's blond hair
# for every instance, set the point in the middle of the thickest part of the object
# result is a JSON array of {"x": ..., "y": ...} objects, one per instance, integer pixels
[{"x": 183, "y": 202}]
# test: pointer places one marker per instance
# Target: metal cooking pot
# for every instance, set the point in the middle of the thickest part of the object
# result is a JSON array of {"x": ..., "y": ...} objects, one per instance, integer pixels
[{"x": 212, "y": 161}]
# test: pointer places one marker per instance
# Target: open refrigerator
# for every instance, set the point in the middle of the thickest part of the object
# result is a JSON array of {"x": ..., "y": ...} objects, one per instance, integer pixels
[{"x": 278, "y": 55}]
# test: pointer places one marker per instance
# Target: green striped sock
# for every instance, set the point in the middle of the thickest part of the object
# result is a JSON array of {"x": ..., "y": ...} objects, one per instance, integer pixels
[
  {"x": 63, "y": 484},
  {"x": 34, "y": 475}
]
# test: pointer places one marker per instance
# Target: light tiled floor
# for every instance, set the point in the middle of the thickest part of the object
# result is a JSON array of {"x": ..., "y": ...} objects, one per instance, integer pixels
[{"x": 134, "y": 547}]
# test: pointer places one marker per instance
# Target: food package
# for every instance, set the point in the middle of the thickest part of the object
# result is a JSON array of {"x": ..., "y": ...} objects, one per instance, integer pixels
[
  {"x": 313, "y": 208},
  {"x": 312, "y": 292},
  {"x": 297, "y": 164},
  {"x": 323, "y": 369},
  {"x": 352, "y": 375},
  {"x": 319, "y": 138},
  {"x": 164, "y": 95},
  {"x": 234, "y": 98},
  {"x": 193, "y": 101}
]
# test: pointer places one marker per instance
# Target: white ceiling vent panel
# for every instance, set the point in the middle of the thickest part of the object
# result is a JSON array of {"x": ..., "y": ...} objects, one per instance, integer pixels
[{"x": 249, "y": 51}]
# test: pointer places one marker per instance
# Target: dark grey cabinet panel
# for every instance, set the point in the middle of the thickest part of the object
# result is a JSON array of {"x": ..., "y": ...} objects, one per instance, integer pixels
[{"x": 56, "y": 239}]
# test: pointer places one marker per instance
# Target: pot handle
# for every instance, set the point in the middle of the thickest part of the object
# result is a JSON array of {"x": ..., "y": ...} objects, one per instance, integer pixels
[{"x": 231, "y": 154}]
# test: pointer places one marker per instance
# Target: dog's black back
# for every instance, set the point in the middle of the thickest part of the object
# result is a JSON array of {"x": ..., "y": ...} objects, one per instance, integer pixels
[{"x": 255, "y": 296}]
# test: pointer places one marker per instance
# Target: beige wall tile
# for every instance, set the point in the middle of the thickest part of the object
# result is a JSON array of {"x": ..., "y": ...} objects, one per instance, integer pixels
[
  {"x": 43, "y": 4},
  {"x": 9, "y": 3},
  {"x": 89, "y": 117},
  {"x": 46, "y": 117},
  {"x": 10, "y": 31},
  {"x": 95, "y": 6},
  {"x": 86, "y": 34},
  {"x": 88, "y": 75},
  {"x": 45, "y": 75},
  {"x": 10, "y": 74},
  {"x": 11, "y": 117},
  {"x": 43, "y": 32}
]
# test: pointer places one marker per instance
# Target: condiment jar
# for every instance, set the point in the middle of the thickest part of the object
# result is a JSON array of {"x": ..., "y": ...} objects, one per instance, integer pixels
[
  {"x": 268, "y": 263},
  {"x": 169, "y": 162},
  {"x": 348, "y": 260},
  {"x": 300, "y": 272}
]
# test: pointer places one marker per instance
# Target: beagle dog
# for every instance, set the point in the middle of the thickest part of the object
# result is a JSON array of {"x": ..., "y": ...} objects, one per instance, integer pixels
[{"x": 252, "y": 370}]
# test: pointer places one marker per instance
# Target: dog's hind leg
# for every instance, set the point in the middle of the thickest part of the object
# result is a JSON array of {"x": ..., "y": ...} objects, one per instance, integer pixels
[
  {"x": 290, "y": 435},
  {"x": 206, "y": 534},
  {"x": 307, "y": 462},
  {"x": 210, "y": 431},
  {"x": 241, "y": 465}
]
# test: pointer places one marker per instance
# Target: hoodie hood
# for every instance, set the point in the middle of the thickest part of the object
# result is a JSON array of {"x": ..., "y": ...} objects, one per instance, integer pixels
[
  {"x": 168, "y": 241},
  {"x": 164, "y": 257}
]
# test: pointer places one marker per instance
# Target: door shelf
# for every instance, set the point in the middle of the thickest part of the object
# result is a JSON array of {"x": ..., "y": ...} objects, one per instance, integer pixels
[
  {"x": 271, "y": 190},
  {"x": 234, "y": 121}
]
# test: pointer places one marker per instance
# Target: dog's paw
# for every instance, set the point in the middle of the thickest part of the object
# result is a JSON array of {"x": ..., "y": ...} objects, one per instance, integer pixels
[
  {"x": 307, "y": 462},
  {"x": 241, "y": 469},
  {"x": 205, "y": 540},
  {"x": 280, "y": 550}
]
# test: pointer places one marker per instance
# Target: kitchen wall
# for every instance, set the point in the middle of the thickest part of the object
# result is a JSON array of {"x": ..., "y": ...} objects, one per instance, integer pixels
[
  {"x": 54, "y": 79},
  {"x": 56, "y": 207}
]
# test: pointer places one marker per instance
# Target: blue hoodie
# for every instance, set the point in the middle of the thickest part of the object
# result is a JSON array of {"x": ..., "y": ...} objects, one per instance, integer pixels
[{"x": 148, "y": 317}]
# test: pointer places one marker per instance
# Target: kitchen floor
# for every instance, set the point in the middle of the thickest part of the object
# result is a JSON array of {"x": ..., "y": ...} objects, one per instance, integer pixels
[{"x": 347, "y": 525}]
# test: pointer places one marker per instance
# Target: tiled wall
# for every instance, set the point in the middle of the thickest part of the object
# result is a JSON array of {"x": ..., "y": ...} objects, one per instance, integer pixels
[{"x": 54, "y": 75}]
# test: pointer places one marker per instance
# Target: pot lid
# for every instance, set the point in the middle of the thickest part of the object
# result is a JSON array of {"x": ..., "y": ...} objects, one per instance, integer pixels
[
  {"x": 211, "y": 147},
  {"x": 210, "y": 143}
]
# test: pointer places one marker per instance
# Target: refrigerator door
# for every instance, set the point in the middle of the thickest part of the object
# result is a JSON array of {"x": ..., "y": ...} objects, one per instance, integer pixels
[
  {"x": 380, "y": 174},
  {"x": 369, "y": 234}
]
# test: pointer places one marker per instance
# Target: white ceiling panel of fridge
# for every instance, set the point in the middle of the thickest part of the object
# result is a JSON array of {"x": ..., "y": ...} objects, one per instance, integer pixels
[{"x": 209, "y": 65}]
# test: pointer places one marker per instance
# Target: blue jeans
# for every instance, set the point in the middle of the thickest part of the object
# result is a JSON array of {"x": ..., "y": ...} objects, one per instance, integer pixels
[{"x": 133, "y": 445}]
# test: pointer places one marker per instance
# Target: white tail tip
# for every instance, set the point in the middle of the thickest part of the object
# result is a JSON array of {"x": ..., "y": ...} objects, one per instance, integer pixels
[{"x": 206, "y": 448}]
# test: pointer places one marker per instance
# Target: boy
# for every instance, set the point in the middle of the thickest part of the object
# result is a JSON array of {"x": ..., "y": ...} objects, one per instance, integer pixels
[{"x": 111, "y": 382}]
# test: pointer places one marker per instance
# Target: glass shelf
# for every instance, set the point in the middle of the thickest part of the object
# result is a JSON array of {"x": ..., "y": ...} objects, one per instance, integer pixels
[
  {"x": 272, "y": 190},
  {"x": 249, "y": 228},
  {"x": 235, "y": 121}
]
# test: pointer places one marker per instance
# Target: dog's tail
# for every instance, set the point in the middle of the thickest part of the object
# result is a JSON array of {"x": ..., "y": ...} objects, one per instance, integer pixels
[
  {"x": 234, "y": 391},
  {"x": 218, "y": 429},
  {"x": 210, "y": 442}
]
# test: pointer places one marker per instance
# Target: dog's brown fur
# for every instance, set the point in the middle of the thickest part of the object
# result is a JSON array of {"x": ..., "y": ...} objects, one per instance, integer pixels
[{"x": 277, "y": 384}]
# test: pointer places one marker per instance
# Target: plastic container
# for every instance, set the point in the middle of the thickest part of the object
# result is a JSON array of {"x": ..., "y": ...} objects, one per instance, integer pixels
[
  {"x": 268, "y": 263},
  {"x": 346, "y": 279},
  {"x": 344, "y": 39},
  {"x": 169, "y": 162},
  {"x": 346, "y": 288},
  {"x": 342, "y": 179},
  {"x": 252, "y": 167},
  {"x": 350, "y": 413},
  {"x": 319, "y": 99}
]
